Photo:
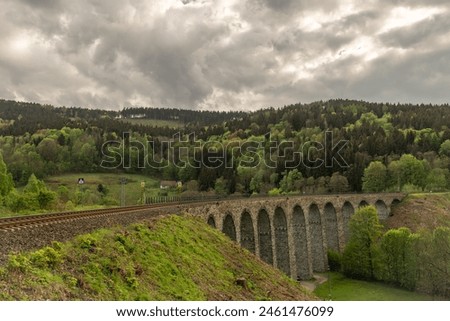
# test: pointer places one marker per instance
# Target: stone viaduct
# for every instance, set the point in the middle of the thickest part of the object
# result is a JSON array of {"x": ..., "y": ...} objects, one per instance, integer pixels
[{"x": 293, "y": 233}]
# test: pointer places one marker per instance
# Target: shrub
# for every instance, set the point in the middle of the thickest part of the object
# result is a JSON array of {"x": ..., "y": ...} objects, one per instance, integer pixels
[
  {"x": 274, "y": 192},
  {"x": 46, "y": 257},
  {"x": 18, "y": 262},
  {"x": 63, "y": 193},
  {"x": 18, "y": 202},
  {"x": 334, "y": 260},
  {"x": 87, "y": 242},
  {"x": 70, "y": 206},
  {"x": 410, "y": 188},
  {"x": 110, "y": 201},
  {"x": 46, "y": 198}
]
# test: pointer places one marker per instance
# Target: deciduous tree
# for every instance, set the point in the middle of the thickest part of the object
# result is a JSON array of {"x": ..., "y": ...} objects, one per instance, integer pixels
[
  {"x": 375, "y": 177},
  {"x": 360, "y": 255}
]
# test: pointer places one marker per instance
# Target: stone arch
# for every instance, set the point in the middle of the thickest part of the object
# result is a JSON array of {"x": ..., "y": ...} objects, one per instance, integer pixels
[
  {"x": 300, "y": 243},
  {"x": 265, "y": 237},
  {"x": 363, "y": 203},
  {"x": 395, "y": 202},
  {"x": 347, "y": 212},
  {"x": 331, "y": 227},
  {"x": 281, "y": 241},
  {"x": 382, "y": 209},
  {"x": 318, "y": 253},
  {"x": 229, "y": 229},
  {"x": 247, "y": 232},
  {"x": 212, "y": 221}
]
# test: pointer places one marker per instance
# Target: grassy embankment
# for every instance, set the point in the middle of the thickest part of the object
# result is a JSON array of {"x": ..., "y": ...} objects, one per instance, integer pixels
[
  {"x": 421, "y": 211},
  {"x": 173, "y": 258}
]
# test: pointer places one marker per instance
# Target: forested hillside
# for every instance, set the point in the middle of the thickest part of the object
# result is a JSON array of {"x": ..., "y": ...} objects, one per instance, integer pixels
[{"x": 386, "y": 147}]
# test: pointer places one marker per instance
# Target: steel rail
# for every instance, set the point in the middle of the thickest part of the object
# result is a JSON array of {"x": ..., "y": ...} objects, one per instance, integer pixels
[{"x": 36, "y": 220}]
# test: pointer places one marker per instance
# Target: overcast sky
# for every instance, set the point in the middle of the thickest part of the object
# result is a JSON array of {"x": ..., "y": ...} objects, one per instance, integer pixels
[{"x": 223, "y": 54}]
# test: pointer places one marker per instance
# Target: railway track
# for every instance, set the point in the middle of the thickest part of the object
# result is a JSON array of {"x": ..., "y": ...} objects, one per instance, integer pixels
[
  {"x": 11, "y": 223},
  {"x": 18, "y": 222}
]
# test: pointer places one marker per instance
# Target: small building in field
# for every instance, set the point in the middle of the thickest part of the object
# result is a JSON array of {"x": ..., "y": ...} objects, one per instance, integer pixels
[
  {"x": 137, "y": 116},
  {"x": 170, "y": 184}
]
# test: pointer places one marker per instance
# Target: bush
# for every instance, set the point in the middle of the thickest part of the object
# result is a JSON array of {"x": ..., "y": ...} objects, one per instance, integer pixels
[
  {"x": 110, "y": 201},
  {"x": 410, "y": 188},
  {"x": 87, "y": 242},
  {"x": 63, "y": 193},
  {"x": 46, "y": 198},
  {"x": 334, "y": 260},
  {"x": 46, "y": 257},
  {"x": 18, "y": 262},
  {"x": 274, "y": 192},
  {"x": 102, "y": 189},
  {"x": 19, "y": 202},
  {"x": 70, "y": 206},
  {"x": 163, "y": 193}
]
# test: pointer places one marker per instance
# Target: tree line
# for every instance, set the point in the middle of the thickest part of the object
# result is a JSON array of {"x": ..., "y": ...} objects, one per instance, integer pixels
[
  {"x": 390, "y": 146},
  {"x": 415, "y": 261}
]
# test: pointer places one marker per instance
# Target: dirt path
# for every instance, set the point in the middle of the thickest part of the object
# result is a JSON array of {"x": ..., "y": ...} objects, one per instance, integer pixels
[{"x": 317, "y": 280}]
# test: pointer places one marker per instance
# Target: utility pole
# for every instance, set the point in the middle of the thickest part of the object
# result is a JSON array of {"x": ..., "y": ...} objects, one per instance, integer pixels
[
  {"x": 123, "y": 182},
  {"x": 143, "y": 198}
]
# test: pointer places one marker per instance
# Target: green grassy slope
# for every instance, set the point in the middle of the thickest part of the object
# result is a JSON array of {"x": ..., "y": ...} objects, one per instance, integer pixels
[
  {"x": 154, "y": 122},
  {"x": 173, "y": 258},
  {"x": 421, "y": 211}
]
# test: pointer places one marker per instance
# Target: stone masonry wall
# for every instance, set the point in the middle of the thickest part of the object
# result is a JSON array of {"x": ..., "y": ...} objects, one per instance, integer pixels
[{"x": 327, "y": 228}]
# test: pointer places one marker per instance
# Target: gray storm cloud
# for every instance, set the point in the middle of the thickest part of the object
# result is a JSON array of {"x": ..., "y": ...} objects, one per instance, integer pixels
[{"x": 223, "y": 54}]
